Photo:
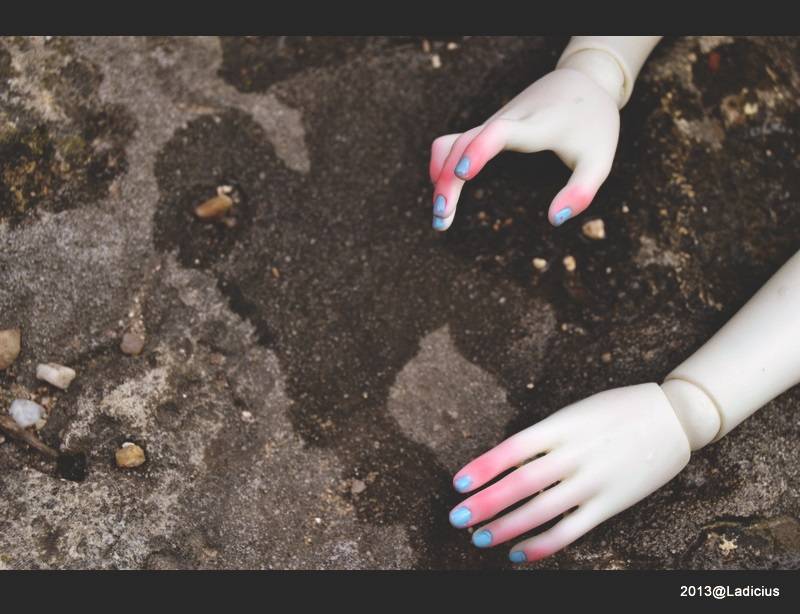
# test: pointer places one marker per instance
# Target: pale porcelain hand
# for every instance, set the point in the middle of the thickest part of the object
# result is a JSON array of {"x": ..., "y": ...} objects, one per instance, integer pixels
[
  {"x": 605, "y": 453},
  {"x": 572, "y": 111}
]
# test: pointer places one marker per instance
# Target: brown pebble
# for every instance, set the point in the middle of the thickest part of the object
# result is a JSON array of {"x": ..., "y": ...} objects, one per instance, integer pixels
[
  {"x": 129, "y": 456},
  {"x": 9, "y": 347},
  {"x": 132, "y": 343},
  {"x": 215, "y": 207},
  {"x": 594, "y": 229},
  {"x": 606, "y": 357}
]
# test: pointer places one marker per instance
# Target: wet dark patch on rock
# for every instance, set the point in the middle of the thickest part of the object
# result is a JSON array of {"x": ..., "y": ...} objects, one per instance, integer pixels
[
  {"x": 747, "y": 543},
  {"x": 740, "y": 67},
  {"x": 343, "y": 335},
  {"x": 252, "y": 64}
]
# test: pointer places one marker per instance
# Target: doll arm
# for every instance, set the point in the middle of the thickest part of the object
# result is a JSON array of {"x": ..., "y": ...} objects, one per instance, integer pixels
[
  {"x": 613, "y": 62},
  {"x": 599, "y": 456},
  {"x": 751, "y": 360},
  {"x": 572, "y": 111}
]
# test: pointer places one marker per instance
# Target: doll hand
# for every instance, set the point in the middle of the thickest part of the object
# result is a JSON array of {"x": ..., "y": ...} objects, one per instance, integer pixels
[
  {"x": 566, "y": 112},
  {"x": 603, "y": 454}
]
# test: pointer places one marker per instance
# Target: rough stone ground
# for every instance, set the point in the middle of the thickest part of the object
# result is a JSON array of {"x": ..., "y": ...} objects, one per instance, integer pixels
[{"x": 313, "y": 375}]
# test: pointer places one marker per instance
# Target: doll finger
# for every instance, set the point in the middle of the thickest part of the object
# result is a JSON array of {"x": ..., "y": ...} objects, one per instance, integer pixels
[
  {"x": 443, "y": 223},
  {"x": 448, "y": 185},
  {"x": 573, "y": 526},
  {"x": 515, "y": 450},
  {"x": 439, "y": 150},
  {"x": 531, "y": 135},
  {"x": 524, "y": 482},
  {"x": 539, "y": 510},
  {"x": 577, "y": 195}
]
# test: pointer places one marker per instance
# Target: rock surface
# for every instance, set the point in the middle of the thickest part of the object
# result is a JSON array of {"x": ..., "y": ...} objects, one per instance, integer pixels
[{"x": 329, "y": 306}]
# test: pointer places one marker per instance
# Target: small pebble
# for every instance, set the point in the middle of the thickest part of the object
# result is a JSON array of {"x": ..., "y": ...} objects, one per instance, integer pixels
[
  {"x": 594, "y": 229},
  {"x": 436, "y": 61},
  {"x": 569, "y": 263},
  {"x": 132, "y": 343},
  {"x": 357, "y": 487},
  {"x": 9, "y": 347},
  {"x": 129, "y": 456},
  {"x": 216, "y": 207},
  {"x": 606, "y": 357},
  {"x": 750, "y": 108},
  {"x": 55, "y": 374},
  {"x": 540, "y": 264},
  {"x": 26, "y": 413}
]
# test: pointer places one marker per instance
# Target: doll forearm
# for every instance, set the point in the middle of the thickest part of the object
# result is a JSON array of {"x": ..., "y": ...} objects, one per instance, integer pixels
[
  {"x": 613, "y": 62},
  {"x": 751, "y": 360}
]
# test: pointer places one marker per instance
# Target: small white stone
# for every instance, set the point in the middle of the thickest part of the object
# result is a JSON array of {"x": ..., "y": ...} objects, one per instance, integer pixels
[
  {"x": 540, "y": 264},
  {"x": 569, "y": 263},
  {"x": 436, "y": 61},
  {"x": 357, "y": 487},
  {"x": 55, "y": 374},
  {"x": 26, "y": 413}
]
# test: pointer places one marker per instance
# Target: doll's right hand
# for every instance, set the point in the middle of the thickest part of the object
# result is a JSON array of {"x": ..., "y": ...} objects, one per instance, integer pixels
[
  {"x": 599, "y": 456},
  {"x": 565, "y": 112}
]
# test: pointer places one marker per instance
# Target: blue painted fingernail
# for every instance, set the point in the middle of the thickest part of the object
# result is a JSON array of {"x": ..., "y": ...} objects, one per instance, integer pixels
[
  {"x": 463, "y": 483},
  {"x": 562, "y": 216},
  {"x": 482, "y": 538},
  {"x": 439, "y": 223},
  {"x": 460, "y": 516},
  {"x": 518, "y": 556},
  {"x": 439, "y": 206},
  {"x": 462, "y": 168}
]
